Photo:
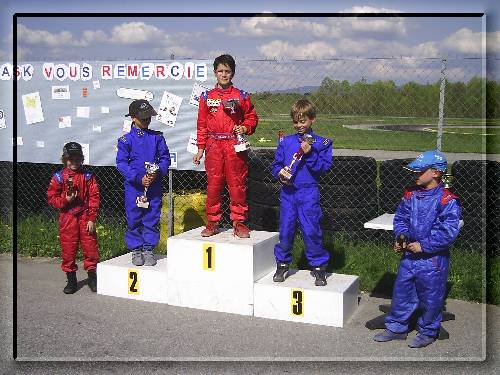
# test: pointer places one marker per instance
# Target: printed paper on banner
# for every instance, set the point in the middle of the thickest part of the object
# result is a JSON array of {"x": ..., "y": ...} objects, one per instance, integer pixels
[
  {"x": 96, "y": 128},
  {"x": 33, "y": 108},
  {"x": 127, "y": 125},
  {"x": 20, "y": 141},
  {"x": 134, "y": 94},
  {"x": 196, "y": 93},
  {"x": 65, "y": 122},
  {"x": 169, "y": 108},
  {"x": 83, "y": 112},
  {"x": 192, "y": 147},
  {"x": 97, "y": 85},
  {"x": 2, "y": 120},
  {"x": 173, "y": 160},
  {"x": 61, "y": 92},
  {"x": 40, "y": 144},
  {"x": 104, "y": 109}
]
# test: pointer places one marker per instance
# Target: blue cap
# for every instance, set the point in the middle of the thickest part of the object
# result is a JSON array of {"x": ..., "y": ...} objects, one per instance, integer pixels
[{"x": 429, "y": 159}]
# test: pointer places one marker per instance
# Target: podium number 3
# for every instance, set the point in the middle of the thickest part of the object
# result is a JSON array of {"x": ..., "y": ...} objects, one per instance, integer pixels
[
  {"x": 208, "y": 256},
  {"x": 133, "y": 282},
  {"x": 297, "y": 302}
]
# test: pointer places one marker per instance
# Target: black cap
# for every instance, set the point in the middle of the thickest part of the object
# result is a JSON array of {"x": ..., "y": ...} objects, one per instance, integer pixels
[
  {"x": 72, "y": 149},
  {"x": 141, "y": 109}
]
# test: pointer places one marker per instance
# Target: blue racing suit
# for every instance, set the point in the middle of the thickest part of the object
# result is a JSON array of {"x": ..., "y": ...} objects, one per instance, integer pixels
[
  {"x": 300, "y": 199},
  {"x": 430, "y": 217},
  {"x": 134, "y": 149}
]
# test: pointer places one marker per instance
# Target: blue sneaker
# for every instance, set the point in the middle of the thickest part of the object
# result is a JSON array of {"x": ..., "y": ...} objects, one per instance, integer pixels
[
  {"x": 389, "y": 336},
  {"x": 421, "y": 340}
]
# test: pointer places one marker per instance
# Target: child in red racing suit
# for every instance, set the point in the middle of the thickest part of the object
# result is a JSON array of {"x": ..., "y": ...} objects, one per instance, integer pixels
[
  {"x": 76, "y": 194},
  {"x": 217, "y": 128}
]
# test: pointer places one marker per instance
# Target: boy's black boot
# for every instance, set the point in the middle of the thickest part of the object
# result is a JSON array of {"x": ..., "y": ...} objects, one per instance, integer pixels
[
  {"x": 70, "y": 287},
  {"x": 319, "y": 274},
  {"x": 92, "y": 281},
  {"x": 281, "y": 272}
]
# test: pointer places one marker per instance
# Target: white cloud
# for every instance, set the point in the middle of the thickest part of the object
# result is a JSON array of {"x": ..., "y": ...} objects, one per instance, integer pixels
[
  {"x": 94, "y": 36},
  {"x": 43, "y": 37},
  {"x": 137, "y": 33},
  {"x": 284, "y": 49},
  {"x": 464, "y": 41},
  {"x": 262, "y": 26},
  {"x": 493, "y": 41},
  {"x": 369, "y": 9},
  {"x": 395, "y": 25},
  {"x": 373, "y": 47}
]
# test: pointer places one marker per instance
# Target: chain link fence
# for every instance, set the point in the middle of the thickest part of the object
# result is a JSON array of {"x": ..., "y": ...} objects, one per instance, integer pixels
[{"x": 362, "y": 104}]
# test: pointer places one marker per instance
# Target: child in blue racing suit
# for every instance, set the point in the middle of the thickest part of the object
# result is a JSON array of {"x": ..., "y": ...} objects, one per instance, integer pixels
[{"x": 428, "y": 218}]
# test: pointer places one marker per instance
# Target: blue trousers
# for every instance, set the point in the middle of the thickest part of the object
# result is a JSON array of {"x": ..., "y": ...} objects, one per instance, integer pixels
[
  {"x": 142, "y": 223},
  {"x": 301, "y": 204},
  {"x": 421, "y": 282}
]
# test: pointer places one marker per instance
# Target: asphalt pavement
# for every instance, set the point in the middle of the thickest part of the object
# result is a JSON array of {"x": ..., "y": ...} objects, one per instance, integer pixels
[{"x": 58, "y": 333}]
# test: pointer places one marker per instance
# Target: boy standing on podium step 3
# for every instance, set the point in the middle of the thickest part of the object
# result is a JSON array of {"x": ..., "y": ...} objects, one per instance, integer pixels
[
  {"x": 428, "y": 217},
  {"x": 76, "y": 193},
  {"x": 299, "y": 195},
  {"x": 139, "y": 148},
  {"x": 217, "y": 128}
]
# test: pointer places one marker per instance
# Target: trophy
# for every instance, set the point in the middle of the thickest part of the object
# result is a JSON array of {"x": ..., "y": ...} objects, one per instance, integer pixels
[
  {"x": 142, "y": 201},
  {"x": 71, "y": 188},
  {"x": 241, "y": 143},
  {"x": 286, "y": 172}
]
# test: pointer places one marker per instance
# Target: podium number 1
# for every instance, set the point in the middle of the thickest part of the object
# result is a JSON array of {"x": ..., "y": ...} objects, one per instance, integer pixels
[
  {"x": 297, "y": 302},
  {"x": 133, "y": 281},
  {"x": 208, "y": 256}
]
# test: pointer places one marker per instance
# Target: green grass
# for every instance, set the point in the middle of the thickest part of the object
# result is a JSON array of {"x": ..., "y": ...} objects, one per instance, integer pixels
[
  {"x": 375, "y": 263},
  {"x": 5, "y": 236},
  {"x": 332, "y": 127}
]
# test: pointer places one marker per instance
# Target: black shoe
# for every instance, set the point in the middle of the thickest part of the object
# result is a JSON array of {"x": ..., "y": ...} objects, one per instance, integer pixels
[
  {"x": 281, "y": 272},
  {"x": 319, "y": 274},
  {"x": 92, "y": 281},
  {"x": 70, "y": 287}
]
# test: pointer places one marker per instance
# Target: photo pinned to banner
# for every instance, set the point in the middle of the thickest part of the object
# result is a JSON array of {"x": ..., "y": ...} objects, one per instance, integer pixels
[
  {"x": 134, "y": 94},
  {"x": 96, "y": 84},
  {"x": 196, "y": 93},
  {"x": 169, "y": 108},
  {"x": 104, "y": 109},
  {"x": 33, "y": 108},
  {"x": 40, "y": 144},
  {"x": 192, "y": 147},
  {"x": 83, "y": 112},
  {"x": 96, "y": 128},
  {"x": 61, "y": 93},
  {"x": 64, "y": 122},
  {"x": 2, "y": 120}
]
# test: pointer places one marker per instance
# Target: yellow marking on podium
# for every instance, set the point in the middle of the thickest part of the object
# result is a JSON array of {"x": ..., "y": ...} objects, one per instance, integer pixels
[
  {"x": 297, "y": 302},
  {"x": 133, "y": 281},
  {"x": 208, "y": 256}
]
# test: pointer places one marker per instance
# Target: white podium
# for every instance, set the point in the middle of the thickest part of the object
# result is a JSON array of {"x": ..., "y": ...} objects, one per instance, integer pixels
[
  {"x": 297, "y": 299},
  {"x": 118, "y": 277},
  {"x": 218, "y": 273}
]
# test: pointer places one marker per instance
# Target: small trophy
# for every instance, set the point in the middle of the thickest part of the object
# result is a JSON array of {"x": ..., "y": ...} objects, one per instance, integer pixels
[
  {"x": 286, "y": 172},
  {"x": 242, "y": 144},
  {"x": 231, "y": 105},
  {"x": 142, "y": 201},
  {"x": 71, "y": 188}
]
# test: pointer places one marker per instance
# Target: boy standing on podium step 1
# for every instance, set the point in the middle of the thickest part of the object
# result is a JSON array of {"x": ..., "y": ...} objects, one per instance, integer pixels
[
  {"x": 76, "y": 193},
  {"x": 143, "y": 159},
  {"x": 426, "y": 224},
  {"x": 225, "y": 113},
  {"x": 310, "y": 156}
]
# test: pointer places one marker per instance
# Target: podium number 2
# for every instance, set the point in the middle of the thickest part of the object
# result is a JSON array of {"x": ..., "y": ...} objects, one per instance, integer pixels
[
  {"x": 133, "y": 281},
  {"x": 297, "y": 302},
  {"x": 208, "y": 256}
]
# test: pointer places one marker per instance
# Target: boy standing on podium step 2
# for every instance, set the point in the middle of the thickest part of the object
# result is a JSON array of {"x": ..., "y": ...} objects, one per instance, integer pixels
[
  {"x": 136, "y": 150},
  {"x": 76, "y": 193},
  {"x": 299, "y": 195},
  {"x": 217, "y": 128},
  {"x": 426, "y": 224}
]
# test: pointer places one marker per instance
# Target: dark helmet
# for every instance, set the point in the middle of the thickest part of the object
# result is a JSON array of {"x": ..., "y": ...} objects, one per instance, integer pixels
[{"x": 72, "y": 149}]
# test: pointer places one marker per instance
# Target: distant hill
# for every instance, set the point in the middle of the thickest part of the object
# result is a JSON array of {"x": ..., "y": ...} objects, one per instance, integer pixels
[{"x": 296, "y": 90}]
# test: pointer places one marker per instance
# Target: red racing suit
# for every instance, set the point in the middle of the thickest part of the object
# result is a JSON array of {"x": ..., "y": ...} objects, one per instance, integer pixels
[
  {"x": 222, "y": 163},
  {"x": 74, "y": 216}
]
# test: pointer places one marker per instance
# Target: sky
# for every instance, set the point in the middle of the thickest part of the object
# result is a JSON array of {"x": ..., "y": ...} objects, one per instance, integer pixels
[{"x": 267, "y": 37}]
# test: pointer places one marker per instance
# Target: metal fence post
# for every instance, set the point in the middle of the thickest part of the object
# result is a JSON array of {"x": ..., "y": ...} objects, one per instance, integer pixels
[
  {"x": 441, "y": 104},
  {"x": 170, "y": 205}
]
